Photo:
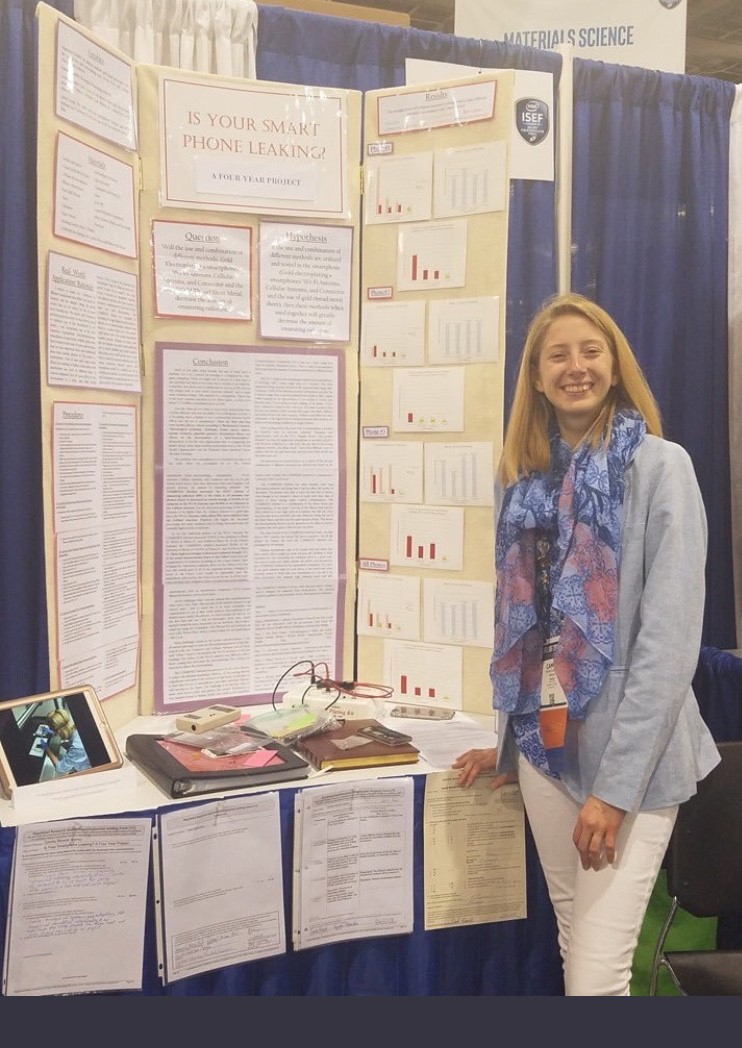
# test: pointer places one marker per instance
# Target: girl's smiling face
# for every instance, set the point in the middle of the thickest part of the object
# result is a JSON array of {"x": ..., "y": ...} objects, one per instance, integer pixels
[{"x": 576, "y": 371}]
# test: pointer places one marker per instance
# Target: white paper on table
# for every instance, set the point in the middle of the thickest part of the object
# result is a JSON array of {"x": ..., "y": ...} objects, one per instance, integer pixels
[
  {"x": 441, "y": 742},
  {"x": 221, "y": 885},
  {"x": 353, "y": 854},
  {"x": 474, "y": 847},
  {"x": 76, "y": 912}
]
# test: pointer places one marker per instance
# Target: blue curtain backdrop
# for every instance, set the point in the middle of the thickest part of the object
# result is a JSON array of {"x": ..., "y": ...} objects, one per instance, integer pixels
[
  {"x": 24, "y": 667},
  {"x": 649, "y": 241}
]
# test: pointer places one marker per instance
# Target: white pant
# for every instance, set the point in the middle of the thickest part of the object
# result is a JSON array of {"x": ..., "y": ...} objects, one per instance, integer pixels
[{"x": 599, "y": 912}]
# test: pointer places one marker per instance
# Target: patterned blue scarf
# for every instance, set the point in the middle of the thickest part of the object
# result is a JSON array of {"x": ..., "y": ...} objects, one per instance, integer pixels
[{"x": 580, "y": 499}]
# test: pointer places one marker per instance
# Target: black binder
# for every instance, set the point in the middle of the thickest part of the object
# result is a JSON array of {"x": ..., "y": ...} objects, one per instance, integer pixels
[{"x": 177, "y": 780}]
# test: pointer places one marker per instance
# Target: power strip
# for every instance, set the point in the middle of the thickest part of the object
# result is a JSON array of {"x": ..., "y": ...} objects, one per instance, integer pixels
[{"x": 346, "y": 707}]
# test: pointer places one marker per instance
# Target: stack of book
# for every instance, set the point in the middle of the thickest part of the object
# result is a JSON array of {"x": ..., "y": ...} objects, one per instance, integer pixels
[{"x": 344, "y": 747}]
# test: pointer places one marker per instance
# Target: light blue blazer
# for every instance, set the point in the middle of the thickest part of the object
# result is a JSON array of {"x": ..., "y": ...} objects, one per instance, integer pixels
[{"x": 643, "y": 743}]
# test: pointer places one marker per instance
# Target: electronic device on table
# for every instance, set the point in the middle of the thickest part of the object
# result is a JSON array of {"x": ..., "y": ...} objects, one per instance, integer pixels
[
  {"x": 208, "y": 718},
  {"x": 420, "y": 712},
  {"x": 26, "y": 734},
  {"x": 314, "y": 689},
  {"x": 386, "y": 736}
]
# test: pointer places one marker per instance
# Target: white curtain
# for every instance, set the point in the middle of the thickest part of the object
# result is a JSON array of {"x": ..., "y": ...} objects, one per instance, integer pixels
[
  {"x": 735, "y": 344},
  {"x": 206, "y": 36}
]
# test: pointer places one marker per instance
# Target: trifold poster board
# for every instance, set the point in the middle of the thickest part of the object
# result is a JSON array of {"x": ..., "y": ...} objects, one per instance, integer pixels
[{"x": 204, "y": 303}]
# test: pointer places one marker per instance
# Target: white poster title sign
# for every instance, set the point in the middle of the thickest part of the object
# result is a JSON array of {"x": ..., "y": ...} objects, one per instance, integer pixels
[
  {"x": 253, "y": 148},
  {"x": 439, "y": 107},
  {"x": 648, "y": 33}
]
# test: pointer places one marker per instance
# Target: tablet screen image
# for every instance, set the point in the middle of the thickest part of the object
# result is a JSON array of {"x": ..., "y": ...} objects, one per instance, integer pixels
[{"x": 52, "y": 736}]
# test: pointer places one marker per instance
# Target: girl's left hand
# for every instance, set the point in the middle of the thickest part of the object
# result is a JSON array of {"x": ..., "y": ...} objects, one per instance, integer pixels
[
  {"x": 595, "y": 832},
  {"x": 474, "y": 762}
]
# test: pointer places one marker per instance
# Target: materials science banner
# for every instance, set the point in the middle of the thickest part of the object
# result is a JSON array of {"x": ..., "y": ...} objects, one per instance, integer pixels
[{"x": 648, "y": 33}]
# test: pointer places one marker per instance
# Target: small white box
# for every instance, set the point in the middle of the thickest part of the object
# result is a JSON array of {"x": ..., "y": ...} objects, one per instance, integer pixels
[
  {"x": 346, "y": 707},
  {"x": 207, "y": 718}
]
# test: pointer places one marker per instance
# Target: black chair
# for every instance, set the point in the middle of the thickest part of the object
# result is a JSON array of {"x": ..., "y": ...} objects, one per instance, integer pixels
[{"x": 704, "y": 878}]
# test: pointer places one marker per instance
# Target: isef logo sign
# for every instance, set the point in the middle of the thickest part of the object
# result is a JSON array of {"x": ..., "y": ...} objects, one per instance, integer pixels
[{"x": 532, "y": 120}]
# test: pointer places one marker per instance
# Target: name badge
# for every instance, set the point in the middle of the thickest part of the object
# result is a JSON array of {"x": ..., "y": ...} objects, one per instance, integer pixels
[
  {"x": 552, "y": 693},
  {"x": 553, "y": 710}
]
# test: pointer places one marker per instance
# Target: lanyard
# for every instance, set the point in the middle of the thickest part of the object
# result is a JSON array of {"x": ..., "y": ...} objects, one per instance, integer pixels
[{"x": 543, "y": 580}]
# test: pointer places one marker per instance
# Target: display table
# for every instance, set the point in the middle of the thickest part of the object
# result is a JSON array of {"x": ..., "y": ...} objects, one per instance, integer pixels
[{"x": 509, "y": 958}]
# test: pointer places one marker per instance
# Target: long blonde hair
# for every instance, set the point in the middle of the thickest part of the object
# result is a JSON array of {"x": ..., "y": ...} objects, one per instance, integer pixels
[
  {"x": 526, "y": 447},
  {"x": 62, "y": 723}
]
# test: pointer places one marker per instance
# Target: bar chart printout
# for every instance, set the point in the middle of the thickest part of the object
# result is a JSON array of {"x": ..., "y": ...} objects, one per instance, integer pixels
[
  {"x": 393, "y": 333},
  {"x": 464, "y": 331},
  {"x": 432, "y": 255},
  {"x": 461, "y": 474},
  {"x": 428, "y": 400},
  {"x": 388, "y": 606},
  {"x": 470, "y": 180},
  {"x": 391, "y": 471},
  {"x": 399, "y": 189},
  {"x": 424, "y": 673},
  {"x": 458, "y": 612},
  {"x": 428, "y": 537}
]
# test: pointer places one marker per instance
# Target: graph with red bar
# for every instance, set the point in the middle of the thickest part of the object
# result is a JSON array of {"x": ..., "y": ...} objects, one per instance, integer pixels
[
  {"x": 432, "y": 255},
  {"x": 427, "y": 537},
  {"x": 393, "y": 333},
  {"x": 391, "y": 471},
  {"x": 428, "y": 400},
  {"x": 388, "y": 606},
  {"x": 399, "y": 189},
  {"x": 424, "y": 673}
]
